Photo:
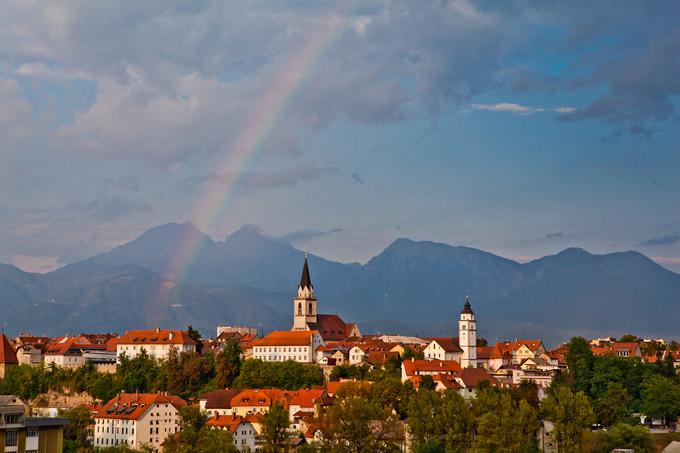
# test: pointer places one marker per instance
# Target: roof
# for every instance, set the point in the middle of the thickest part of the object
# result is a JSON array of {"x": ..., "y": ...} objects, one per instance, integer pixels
[
  {"x": 228, "y": 422},
  {"x": 305, "y": 279},
  {"x": 65, "y": 345},
  {"x": 415, "y": 367},
  {"x": 251, "y": 397},
  {"x": 333, "y": 386},
  {"x": 380, "y": 357},
  {"x": 156, "y": 336},
  {"x": 484, "y": 352},
  {"x": 40, "y": 422},
  {"x": 219, "y": 399},
  {"x": 447, "y": 380},
  {"x": 512, "y": 346},
  {"x": 472, "y": 377},
  {"x": 331, "y": 327},
  {"x": 131, "y": 406},
  {"x": 467, "y": 310},
  {"x": 287, "y": 338},
  {"x": 7, "y": 353},
  {"x": 448, "y": 344},
  {"x": 4, "y": 399}
]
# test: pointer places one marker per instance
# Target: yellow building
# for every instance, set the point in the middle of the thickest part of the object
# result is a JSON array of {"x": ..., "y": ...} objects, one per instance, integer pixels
[{"x": 22, "y": 434}]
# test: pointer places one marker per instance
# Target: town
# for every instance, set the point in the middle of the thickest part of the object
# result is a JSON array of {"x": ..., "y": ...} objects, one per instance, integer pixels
[{"x": 324, "y": 385}]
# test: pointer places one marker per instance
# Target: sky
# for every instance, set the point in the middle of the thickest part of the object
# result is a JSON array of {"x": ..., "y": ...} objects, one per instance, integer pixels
[{"x": 517, "y": 127}]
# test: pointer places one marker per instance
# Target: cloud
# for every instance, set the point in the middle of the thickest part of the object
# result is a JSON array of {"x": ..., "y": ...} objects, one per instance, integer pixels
[
  {"x": 108, "y": 210},
  {"x": 306, "y": 235},
  {"x": 668, "y": 239},
  {"x": 557, "y": 235},
  {"x": 258, "y": 181},
  {"x": 519, "y": 109}
]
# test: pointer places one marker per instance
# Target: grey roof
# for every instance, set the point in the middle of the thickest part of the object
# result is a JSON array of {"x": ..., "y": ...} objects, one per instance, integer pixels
[{"x": 46, "y": 421}]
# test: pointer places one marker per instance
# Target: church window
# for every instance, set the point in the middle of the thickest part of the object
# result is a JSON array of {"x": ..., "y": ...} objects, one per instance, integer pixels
[
  {"x": 300, "y": 308},
  {"x": 310, "y": 309}
]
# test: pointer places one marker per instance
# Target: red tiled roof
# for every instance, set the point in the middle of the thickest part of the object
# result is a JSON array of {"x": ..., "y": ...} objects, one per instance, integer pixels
[
  {"x": 156, "y": 336},
  {"x": 131, "y": 406},
  {"x": 7, "y": 353},
  {"x": 333, "y": 386},
  {"x": 380, "y": 357},
  {"x": 287, "y": 338},
  {"x": 230, "y": 422},
  {"x": 416, "y": 367},
  {"x": 472, "y": 377}
]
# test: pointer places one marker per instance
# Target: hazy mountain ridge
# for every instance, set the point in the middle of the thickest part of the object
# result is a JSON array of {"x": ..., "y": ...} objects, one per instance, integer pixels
[{"x": 412, "y": 287}]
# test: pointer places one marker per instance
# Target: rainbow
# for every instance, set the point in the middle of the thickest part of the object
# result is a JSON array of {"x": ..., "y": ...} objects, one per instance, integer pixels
[{"x": 262, "y": 120}]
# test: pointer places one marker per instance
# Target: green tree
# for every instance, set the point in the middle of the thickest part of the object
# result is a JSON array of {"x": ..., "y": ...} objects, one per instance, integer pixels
[
  {"x": 637, "y": 438},
  {"x": 228, "y": 363},
  {"x": 424, "y": 410},
  {"x": 661, "y": 398},
  {"x": 196, "y": 437},
  {"x": 196, "y": 336},
  {"x": 502, "y": 425},
  {"x": 457, "y": 422},
  {"x": 427, "y": 382},
  {"x": 571, "y": 414},
  {"x": 580, "y": 361},
  {"x": 612, "y": 407},
  {"x": 76, "y": 431},
  {"x": 527, "y": 391},
  {"x": 410, "y": 353},
  {"x": 275, "y": 429}
]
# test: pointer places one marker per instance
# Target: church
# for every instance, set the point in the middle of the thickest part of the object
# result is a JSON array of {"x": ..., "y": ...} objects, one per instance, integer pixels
[{"x": 306, "y": 316}]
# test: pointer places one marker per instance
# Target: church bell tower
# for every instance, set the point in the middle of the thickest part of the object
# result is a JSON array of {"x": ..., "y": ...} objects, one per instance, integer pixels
[
  {"x": 467, "y": 336},
  {"x": 304, "y": 305}
]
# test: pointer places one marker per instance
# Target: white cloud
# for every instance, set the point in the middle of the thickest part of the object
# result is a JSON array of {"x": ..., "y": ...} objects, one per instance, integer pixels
[{"x": 519, "y": 109}]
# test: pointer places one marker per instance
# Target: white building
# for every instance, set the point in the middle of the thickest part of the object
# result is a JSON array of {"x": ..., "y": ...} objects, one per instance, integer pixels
[
  {"x": 137, "y": 420},
  {"x": 467, "y": 336},
  {"x": 156, "y": 342},
  {"x": 241, "y": 429},
  {"x": 73, "y": 352},
  {"x": 443, "y": 349},
  {"x": 282, "y": 345}
]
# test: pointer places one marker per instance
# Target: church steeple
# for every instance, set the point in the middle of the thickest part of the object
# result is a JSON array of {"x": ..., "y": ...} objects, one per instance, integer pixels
[
  {"x": 305, "y": 279},
  {"x": 467, "y": 336},
  {"x": 304, "y": 305}
]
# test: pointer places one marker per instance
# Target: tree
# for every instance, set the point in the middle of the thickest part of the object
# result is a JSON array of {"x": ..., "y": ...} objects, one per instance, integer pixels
[
  {"x": 637, "y": 438},
  {"x": 503, "y": 425},
  {"x": 580, "y": 361},
  {"x": 612, "y": 407},
  {"x": 196, "y": 437},
  {"x": 527, "y": 391},
  {"x": 427, "y": 382},
  {"x": 457, "y": 422},
  {"x": 661, "y": 398},
  {"x": 424, "y": 410},
  {"x": 410, "y": 353},
  {"x": 228, "y": 363},
  {"x": 76, "y": 431},
  {"x": 571, "y": 414},
  {"x": 196, "y": 336},
  {"x": 275, "y": 428}
]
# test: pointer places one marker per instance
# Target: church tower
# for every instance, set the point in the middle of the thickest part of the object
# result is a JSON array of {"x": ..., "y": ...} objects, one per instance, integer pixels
[
  {"x": 304, "y": 305},
  {"x": 467, "y": 336}
]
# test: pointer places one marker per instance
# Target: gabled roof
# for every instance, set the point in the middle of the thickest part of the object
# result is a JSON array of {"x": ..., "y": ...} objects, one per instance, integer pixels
[
  {"x": 448, "y": 344},
  {"x": 472, "y": 377},
  {"x": 331, "y": 327},
  {"x": 228, "y": 422},
  {"x": 156, "y": 336},
  {"x": 132, "y": 406},
  {"x": 415, "y": 367},
  {"x": 219, "y": 399},
  {"x": 7, "y": 353},
  {"x": 287, "y": 338},
  {"x": 512, "y": 346}
]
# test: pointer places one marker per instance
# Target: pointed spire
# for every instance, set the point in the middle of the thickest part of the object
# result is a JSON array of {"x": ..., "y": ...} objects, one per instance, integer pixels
[
  {"x": 467, "y": 309},
  {"x": 305, "y": 279}
]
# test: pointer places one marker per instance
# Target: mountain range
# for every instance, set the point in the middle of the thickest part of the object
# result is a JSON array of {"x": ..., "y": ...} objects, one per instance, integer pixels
[{"x": 411, "y": 287}]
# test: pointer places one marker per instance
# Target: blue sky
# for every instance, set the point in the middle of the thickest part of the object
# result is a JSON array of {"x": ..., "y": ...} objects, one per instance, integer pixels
[{"x": 517, "y": 127}]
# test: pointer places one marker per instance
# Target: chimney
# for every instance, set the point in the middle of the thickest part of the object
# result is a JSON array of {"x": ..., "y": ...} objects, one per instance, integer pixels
[
  {"x": 413, "y": 359},
  {"x": 171, "y": 335},
  {"x": 158, "y": 330}
]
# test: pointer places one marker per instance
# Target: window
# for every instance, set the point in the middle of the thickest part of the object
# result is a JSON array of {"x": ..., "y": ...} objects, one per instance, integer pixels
[
  {"x": 11, "y": 439},
  {"x": 32, "y": 432},
  {"x": 12, "y": 418}
]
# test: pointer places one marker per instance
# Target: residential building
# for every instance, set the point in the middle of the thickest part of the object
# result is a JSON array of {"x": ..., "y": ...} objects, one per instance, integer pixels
[
  {"x": 8, "y": 356},
  {"x": 156, "y": 342},
  {"x": 137, "y": 420},
  {"x": 282, "y": 345},
  {"x": 443, "y": 349},
  {"x": 466, "y": 382},
  {"x": 29, "y": 355},
  {"x": 306, "y": 316},
  {"x": 241, "y": 429},
  {"x": 413, "y": 369},
  {"x": 23, "y": 434},
  {"x": 73, "y": 352},
  {"x": 217, "y": 402}
]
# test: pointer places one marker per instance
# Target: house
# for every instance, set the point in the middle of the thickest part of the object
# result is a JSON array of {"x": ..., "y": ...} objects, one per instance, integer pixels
[
  {"x": 252, "y": 401},
  {"x": 8, "y": 356},
  {"x": 20, "y": 433},
  {"x": 28, "y": 354},
  {"x": 471, "y": 378},
  {"x": 241, "y": 429},
  {"x": 359, "y": 352},
  {"x": 625, "y": 349},
  {"x": 520, "y": 350},
  {"x": 156, "y": 342},
  {"x": 306, "y": 316},
  {"x": 443, "y": 349},
  {"x": 217, "y": 402},
  {"x": 281, "y": 345},
  {"x": 137, "y": 420},
  {"x": 413, "y": 368},
  {"x": 73, "y": 352}
]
